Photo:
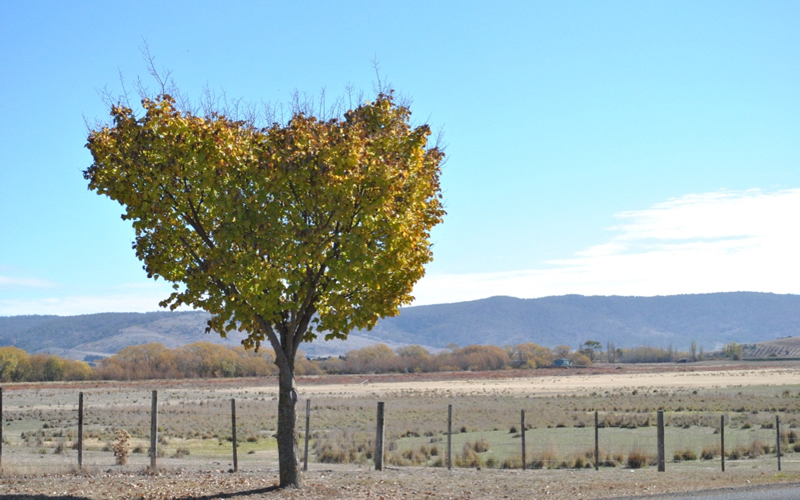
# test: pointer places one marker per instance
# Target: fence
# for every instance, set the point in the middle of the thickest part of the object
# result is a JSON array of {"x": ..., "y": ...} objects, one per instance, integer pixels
[{"x": 49, "y": 429}]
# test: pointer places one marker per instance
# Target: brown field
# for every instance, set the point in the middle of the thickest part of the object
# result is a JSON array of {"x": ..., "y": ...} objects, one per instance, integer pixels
[{"x": 195, "y": 451}]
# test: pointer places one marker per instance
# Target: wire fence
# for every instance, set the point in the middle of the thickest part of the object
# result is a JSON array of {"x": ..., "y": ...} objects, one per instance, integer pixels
[{"x": 52, "y": 430}]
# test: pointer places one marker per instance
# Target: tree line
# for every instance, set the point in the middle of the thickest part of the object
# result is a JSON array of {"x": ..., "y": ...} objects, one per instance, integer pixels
[{"x": 209, "y": 360}]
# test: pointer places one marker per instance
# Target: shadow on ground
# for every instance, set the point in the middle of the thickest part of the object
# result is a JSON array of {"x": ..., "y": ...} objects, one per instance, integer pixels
[{"x": 238, "y": 494}]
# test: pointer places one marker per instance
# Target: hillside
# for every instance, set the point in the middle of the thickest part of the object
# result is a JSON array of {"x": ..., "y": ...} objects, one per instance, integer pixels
[
  {"x": 91, "y": 335},
  {"x": 788, "y": 347},
  {"x": 711, "y": 320}
]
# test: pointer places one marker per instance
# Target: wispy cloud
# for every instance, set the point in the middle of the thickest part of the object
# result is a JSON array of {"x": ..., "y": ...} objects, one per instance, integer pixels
[
  {"x": 13, "y": 281},
  {"x": 142, "y": 297},
  {"x": 83, "y": 304},
  {"x": 699, "y": 243}
]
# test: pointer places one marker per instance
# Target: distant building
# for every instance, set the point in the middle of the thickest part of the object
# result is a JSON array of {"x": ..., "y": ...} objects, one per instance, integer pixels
[{"x": 562, "y": 363}]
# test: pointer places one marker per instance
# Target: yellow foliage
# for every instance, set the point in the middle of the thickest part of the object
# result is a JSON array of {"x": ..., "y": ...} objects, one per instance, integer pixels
[{"x": 282, "y": 232}]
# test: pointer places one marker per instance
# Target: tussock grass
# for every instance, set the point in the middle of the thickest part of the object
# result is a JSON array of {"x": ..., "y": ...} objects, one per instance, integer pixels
[{"x": 559, "y": 428}]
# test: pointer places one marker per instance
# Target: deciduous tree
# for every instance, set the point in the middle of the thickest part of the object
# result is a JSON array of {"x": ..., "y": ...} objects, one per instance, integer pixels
[{"x": 315, "y": 226}]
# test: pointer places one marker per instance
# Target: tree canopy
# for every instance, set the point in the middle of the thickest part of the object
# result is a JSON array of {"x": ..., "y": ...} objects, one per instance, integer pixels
[{"x": 283, "y": 232}]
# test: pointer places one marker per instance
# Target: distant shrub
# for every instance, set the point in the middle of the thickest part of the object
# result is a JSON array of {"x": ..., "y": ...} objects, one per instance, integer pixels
[
  {"x": 636, "y": 459},
  {"x": 709, "y": 453},
  {"x": 480, "y": 446},
  {"x": 121, "y": 446},
  {"x": 686, "y": 454}
]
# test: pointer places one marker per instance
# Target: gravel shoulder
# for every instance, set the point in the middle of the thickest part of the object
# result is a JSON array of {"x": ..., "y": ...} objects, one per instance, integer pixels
[{"x": 407, "y": 482}]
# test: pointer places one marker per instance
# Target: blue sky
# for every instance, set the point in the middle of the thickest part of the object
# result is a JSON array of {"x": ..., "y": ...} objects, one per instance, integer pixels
[{"x": 599, "y": 148}]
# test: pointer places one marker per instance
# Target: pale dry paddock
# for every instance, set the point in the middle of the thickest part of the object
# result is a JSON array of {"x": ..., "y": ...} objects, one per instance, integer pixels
[
  {"x": 569, "y": 383},
  {"x": 199, "y": 477}
]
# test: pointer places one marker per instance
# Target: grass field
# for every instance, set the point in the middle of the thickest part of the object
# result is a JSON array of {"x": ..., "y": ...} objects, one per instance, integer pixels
[{"x": 40, "y": 421}]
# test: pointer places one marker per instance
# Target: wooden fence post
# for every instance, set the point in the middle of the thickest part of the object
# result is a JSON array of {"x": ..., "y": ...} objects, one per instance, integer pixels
[
  {"x": 596, "y": 441},
  {"x": 778, "y": 440},
  {"x": 308, "y": 429},
  {"x": 722, "y": 439},
  {"x": 80, "y": 430},
  {"x": 233, "y": 436},
  {"x": 449, "y": 435},
  {"x": 522, "y": 432},
  {"x": 153, "y": 431},
  {"x": 1, "y": 428},
  {"x": 661, "y": 457},
  {"x": 379, "y": 439}
]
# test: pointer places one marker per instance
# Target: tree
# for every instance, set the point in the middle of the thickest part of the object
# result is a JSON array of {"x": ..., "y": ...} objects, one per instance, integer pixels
[
  {"x": 283, "y": 232},
  {"x": 376, "y": 358},
  {"x": 14, "y": 364},
  {"x": 734, "y": 351},
  {"x": 530, "y": 355},
  {"x": 611, "y": 352},
  {"x": 590, "y": 347}
]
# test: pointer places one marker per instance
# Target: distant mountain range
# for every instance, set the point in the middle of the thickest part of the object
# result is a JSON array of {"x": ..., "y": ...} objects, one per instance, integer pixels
[{"x": 711, "y": 320}]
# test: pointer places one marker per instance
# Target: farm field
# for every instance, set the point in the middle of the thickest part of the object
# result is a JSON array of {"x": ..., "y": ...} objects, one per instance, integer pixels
[{"x": 194, "y": 420}]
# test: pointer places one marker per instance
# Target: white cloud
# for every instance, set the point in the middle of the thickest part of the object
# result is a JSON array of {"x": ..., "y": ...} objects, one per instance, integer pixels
[
  {"x": 11, "y": 281},
  {"x": 142, "y": 297},
  {"x": 82, "y": 304},
  {"x": 699, "y": 243}
]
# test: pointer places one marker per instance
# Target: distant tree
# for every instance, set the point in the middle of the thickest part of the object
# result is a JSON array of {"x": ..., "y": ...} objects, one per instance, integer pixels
[
  {"x": 480, "y": 358},
  {"x": 530, "y": 355},
  {"x": 562, "y": 351},
  {"x": 283, "y": 232},
  {"x": 590, "y": 348},
  {"x": 14, "y": 364},
  {"x": 694, "y": 351},
  {"x": 645, "y": 354},
  {"x": 138, "y": 362},
  {"x": 611, "y": 352},
  {"x": 734, "y": 351},
  {"x": 413, "y": 351},
  {"x": 375, "y": 358},
  {"x": 579, "y": 359},
  {"x": 413, "y": 358}
]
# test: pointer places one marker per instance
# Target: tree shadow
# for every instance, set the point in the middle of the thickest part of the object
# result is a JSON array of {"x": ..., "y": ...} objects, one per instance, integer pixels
[
  {"x": 43, "y": 497},
  {"x": 235, "y": 494}
]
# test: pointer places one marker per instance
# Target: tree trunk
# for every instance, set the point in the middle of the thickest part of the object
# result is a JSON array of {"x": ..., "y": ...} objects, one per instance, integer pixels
[{"x": 287, "y": 443}]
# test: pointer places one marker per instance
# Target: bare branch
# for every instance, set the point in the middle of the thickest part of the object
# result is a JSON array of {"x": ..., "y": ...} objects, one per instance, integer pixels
[
  {"x": 163, "y": 81},
  {"x": 380, "y": 86},
  {"x": 125, "y": 92}
]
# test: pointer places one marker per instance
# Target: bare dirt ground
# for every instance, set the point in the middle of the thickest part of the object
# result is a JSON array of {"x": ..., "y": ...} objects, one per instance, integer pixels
[
  {"x": 406, "y": 482},
  {"x": 197, "y": 481}
]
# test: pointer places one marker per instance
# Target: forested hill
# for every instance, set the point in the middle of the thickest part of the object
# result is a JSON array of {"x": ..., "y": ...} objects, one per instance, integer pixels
[{"x": 710, "y": 320}]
